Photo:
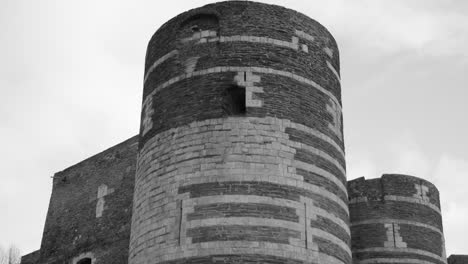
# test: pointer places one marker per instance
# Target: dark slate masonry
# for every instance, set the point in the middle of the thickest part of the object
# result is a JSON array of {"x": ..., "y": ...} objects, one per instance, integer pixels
[
  {"x": 395, "y": 217},
  {"x": 217, "y": 210},
  {"x": 239, "y": 159},
  {"x": 247, "y": 258},
  {"x": 72, "y": 228},
  {"x": 263, "y": 189},
  {"x": 242, "y": 233},
  {"x": 243, "y": 84},
  {"x": 458, "y": 259}
]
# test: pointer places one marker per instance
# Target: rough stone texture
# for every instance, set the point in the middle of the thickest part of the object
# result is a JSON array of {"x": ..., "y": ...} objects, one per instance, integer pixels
[
  {"x": 458, "y": 259},
  {"x": 395, "y": 218},
  {"x": 240, "y": 159},
  {"x": 217, "y": 172},
  {"x": 31, "y": 258},
  {"x": 72, "y": 227}
]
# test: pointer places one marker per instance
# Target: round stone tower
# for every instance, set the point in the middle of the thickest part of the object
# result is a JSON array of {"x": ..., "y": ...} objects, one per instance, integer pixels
[
  {"x": 396, "y": 219},
  {"x": 241, "y": 155}
]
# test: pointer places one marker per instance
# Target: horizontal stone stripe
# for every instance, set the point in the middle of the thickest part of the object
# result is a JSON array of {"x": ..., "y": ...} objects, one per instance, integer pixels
[
  {"x": 273, "y": 223},
  {"x": 312, "y": 168},
  {"x": 327, "y": 247},
  {"x": 236, "y": 69},
  {"x": 402, "y": 251},
  {"x": 363, "y": 256},
  {"x": 235, "y": 38},
  {"x": 299, "y": 206},
  {"x": 321, "y": 162},
  {"x": 389, "y": 209},
  {"x": 397, "y": 221},
  {"x": 323, "y": 155},
  {"x": 330, "y": 241},
  {"x": 412, "y": 200},
  {"x": 244, "y": 221},
  {"x": 423, "y": 239},
  {"x": 242, "y": 232},
  {"x": 332, "y": 228},
  {"x": 291, "y": 185},
  {"x": 393, "y": 260},
  {"x": 244, "y": 248},
  {"x": 319, "y": 180},
  {"x": 158, "y": 62},
  {"x": 317, "y": 143},
  {"x": 370, "y": 235},
  {"x": 255, "y": 39},
  {"x": 261, "y": 188},
  {"x": 398, "y": 199},
  {"x": 226, "y": 210},
  {"x": 243, "y": 258},
  {"x": 315, "y": 133},
  {"x": 304, "y": 35},
  {"x": 333, "y": 70},
  {"x": 234, "y": 122}
]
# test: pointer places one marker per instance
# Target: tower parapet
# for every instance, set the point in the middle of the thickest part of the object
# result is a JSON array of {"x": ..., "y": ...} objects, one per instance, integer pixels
[
  {"x": 241, "y": 155},
  {"x": 395, "y": 218}
]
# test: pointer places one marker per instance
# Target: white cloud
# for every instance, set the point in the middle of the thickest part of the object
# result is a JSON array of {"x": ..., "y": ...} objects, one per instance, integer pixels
[
  {"x": 71, "y": 80},
  {"x": 451, "y": 177},
  {"x": 360, "y": 165},
  {"x": 449, "y": 174}
]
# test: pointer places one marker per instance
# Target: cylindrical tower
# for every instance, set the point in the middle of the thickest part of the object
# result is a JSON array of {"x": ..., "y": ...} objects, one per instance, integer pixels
[
  {"x": 241, "y": 154},
  {"x": 396, "y": 219}
]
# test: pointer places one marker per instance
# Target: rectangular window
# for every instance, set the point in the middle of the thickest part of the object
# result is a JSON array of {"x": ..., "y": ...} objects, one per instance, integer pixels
[{"x": 234, "y": 100}]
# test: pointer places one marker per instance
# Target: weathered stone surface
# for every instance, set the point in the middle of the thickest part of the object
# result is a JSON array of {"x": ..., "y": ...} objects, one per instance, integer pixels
[
  {"x": 458, "y": 259},
  {"x": 395, "y": 218},
  {"x": 31, "y": 258},
  {"x": 72, "y": 226},
  {"x": 240, "y": 159},
  {"x": 219, "y": 168}
]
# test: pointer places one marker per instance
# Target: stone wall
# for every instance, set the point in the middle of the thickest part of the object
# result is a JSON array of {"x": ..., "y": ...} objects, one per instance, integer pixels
[
  {"x": 241, "y": 154},
  {"x": 31, "y": 258},
  {"x": 458, "y": 259},
  {"x": 90, "y": 209},
  {"x": 395, "y": 218}
]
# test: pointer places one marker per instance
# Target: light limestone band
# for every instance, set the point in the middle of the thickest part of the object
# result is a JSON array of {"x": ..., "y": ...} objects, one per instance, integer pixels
[
  {"x": 156, "y": 207},
  {"x": 209, "y": 36},
  {"x": 158, "y": 62},
  {"x": 279, "y": 154},
  {"x": 397, "y": 221},
  {"x": 393, "y": 260},
  {"x": 402, "y": 250},
  {"x": 399, "y": 199},
  {"x": 299, "y": 206},
  {"x": 333, "y": 70},
  {"x": 244, "y": 248},
  {"x": 312, "y": 213},
  {"x": 246, "y": 69},
  {"x": 255, "y": 221}
]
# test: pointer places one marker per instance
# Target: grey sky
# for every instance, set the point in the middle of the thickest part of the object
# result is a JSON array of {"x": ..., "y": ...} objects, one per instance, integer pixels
[{"x": 71, "y": 81}]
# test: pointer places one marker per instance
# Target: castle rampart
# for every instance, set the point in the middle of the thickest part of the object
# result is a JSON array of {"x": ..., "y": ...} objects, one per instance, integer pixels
[
  {"x": 241, "y": 144},
  {"x": 395, "y": 219}
]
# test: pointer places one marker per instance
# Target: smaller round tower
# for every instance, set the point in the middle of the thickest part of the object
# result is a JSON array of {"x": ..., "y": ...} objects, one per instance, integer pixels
[{"x": 395, "y": 219}]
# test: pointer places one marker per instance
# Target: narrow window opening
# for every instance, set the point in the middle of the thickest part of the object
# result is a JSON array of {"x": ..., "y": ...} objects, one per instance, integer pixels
[
  {"x": 84, "y": 261},
  {"x": 195, "y": 28},
  {"x": 234, "y": 101}
]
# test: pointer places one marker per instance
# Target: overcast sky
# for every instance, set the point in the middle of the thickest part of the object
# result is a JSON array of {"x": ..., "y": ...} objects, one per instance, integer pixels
[{"x": 71, "y": 76}]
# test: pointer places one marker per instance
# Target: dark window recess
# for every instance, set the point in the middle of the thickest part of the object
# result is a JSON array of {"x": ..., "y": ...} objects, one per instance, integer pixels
[
  {"x": 234, "y": 100},
  {"x": 198, "y": 23},
  {"x": 195, "y": 28},
  {"x": 84, "y": 261}
]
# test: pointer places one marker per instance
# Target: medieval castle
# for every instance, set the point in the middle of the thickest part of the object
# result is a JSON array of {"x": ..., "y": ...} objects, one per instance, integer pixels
[{"x": 240, "y": 159}]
